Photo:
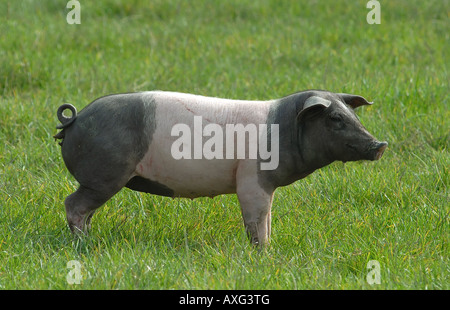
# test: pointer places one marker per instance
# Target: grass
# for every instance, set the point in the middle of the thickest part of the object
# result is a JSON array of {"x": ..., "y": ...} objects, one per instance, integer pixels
[{"x": 325, "y": 228}]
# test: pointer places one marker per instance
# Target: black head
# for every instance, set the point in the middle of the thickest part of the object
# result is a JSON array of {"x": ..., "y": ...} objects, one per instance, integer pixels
[{"x": 330, "y": 130}]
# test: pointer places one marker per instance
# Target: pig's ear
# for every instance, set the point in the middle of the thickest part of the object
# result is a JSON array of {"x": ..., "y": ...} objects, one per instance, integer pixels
[
  {"x": 354, "y": 100},
  {"x": 313, "y": 102}
]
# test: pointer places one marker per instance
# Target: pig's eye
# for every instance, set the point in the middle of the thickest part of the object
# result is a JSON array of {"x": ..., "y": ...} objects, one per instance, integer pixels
[
  {"x": 337, "y": 122},
  {"x": 336, "y": 118}
]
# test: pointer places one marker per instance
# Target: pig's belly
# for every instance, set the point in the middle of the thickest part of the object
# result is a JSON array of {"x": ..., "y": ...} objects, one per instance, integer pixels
[{"x": 189, "y": 177}]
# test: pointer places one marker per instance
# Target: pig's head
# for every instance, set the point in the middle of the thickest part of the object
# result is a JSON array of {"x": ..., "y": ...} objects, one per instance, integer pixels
[{"x": 329, "y": 130}]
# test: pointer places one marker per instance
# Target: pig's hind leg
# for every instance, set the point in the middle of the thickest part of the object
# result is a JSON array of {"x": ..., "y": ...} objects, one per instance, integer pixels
[
  {"x": 97, "y": 186},
  {"x": 81, "y": 205}
]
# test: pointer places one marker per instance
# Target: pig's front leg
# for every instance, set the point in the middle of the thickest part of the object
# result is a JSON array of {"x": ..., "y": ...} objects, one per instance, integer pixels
[{"x": 256, "y": 205}]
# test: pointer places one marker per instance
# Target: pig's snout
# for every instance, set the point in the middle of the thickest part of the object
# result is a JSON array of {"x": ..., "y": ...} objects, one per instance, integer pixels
[
  {"x": 378, "y": 149},
  {"x": 373, "y": 151}
]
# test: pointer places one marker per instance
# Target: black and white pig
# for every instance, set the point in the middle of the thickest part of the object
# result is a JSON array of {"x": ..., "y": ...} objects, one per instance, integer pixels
[{"x": 183, "y": 145}]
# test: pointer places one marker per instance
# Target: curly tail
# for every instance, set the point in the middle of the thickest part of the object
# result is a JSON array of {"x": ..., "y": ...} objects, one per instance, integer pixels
[{"x": 65, "y": 121}]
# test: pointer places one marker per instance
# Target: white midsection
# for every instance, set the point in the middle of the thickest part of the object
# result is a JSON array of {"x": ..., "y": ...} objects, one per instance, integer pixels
[{"x": 196, "y": 177}]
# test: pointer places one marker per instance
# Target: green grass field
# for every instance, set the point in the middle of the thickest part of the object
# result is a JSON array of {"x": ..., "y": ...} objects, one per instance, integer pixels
[{"x": 325, "y": 228}]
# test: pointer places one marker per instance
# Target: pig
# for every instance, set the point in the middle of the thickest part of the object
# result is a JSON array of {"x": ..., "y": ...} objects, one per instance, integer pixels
[{"x": 125, "y": 140}]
